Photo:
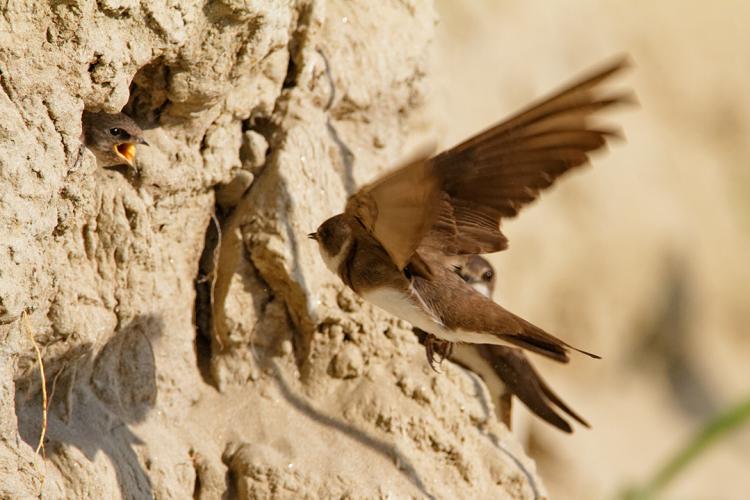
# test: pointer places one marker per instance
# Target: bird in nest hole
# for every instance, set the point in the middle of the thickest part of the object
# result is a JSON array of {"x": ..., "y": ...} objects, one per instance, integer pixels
[{"x": 112, "y": 138}]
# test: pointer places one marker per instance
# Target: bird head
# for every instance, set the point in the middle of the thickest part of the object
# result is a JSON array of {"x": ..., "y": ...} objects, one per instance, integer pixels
[
  {"x": 334, "y": 237},
  {"x": 480, "y": 274},
  {"x": 112, "y": 137}
]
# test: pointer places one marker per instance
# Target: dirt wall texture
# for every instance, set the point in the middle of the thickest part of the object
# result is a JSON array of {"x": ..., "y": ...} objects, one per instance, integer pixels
[{"x": 192, "y": 342}]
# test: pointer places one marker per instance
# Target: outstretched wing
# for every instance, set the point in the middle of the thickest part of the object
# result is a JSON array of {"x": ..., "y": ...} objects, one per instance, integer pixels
[
  {"x": 399, "y": 208},
  {"x": 452, "y": 204},
  {"x": 494, "y": 174}
]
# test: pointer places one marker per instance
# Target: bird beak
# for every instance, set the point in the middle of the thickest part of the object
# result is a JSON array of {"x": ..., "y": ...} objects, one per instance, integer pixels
[
  {"x": 313, "y": 236},
  {"x": 126, "y": 151}
]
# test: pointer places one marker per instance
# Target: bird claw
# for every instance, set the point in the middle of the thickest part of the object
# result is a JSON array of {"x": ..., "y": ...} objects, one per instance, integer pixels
[{"x": 436, "y": 350}]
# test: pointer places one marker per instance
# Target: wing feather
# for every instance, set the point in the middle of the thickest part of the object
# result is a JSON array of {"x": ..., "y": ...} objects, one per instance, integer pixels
[
  {"x": 497, "y": 172},
  {"x": 398, "y": 209},
  {"x": 453, "y": 204},
  {"x": 522, "y": 380}
]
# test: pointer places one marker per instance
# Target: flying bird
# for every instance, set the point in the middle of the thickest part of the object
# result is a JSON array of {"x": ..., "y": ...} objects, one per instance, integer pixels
[
  {"x": 399, "y": 238},
  {"x": 112, "y": 138},
  {"x": 506, "y": 371}
]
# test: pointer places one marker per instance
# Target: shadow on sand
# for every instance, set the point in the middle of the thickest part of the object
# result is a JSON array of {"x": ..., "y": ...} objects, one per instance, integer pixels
[{"x": 95, "y": 400}]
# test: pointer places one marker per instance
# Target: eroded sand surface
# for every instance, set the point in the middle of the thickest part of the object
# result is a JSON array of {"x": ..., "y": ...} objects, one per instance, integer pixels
[{"x": 295, "y": 389}]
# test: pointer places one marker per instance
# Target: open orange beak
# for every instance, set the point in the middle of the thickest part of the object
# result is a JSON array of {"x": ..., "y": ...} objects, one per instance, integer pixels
[{"x": 126, "y": 151}]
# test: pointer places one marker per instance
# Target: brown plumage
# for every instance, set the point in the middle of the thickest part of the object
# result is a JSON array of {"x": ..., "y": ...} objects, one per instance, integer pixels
[
  {"x": 453, "y": 203},
  {"x": 509, "y": 365},
  {"x": 398, "y": 237},
  {"x": 111, "y": 137},
  {"x": 521, "y": 380}
]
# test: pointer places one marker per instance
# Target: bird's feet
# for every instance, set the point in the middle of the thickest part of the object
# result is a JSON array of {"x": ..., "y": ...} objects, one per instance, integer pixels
[{"x": 437, "y": 350}]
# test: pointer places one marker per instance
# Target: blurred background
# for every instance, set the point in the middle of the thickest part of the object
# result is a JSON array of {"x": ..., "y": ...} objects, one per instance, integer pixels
[{"x": 643, "y": 258}]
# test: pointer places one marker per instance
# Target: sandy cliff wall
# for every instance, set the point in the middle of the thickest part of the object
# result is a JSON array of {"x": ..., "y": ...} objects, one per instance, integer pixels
[{"x": 186, "y": 360}]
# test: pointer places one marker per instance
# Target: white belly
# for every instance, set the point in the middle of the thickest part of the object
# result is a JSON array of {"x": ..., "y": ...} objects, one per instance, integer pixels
[
  {"x": 408, "y": 308},
  {"x": 405, "y": 307}
]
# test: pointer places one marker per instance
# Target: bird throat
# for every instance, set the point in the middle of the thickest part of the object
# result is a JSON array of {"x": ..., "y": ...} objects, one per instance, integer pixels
[{"x": 333, "y": 262}]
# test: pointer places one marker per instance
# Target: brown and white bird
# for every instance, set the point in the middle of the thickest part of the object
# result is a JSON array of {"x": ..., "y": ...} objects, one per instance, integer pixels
[
  {"x": 112, "y": 138},
  {"x": 506, "y": 371},
  {"x": 398, "y": 239}
]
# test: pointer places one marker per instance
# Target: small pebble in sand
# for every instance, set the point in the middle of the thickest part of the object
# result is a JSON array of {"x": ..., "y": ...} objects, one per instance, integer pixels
[
  {"x": 336, "y": 332},
  {"x": 348, "y": 363},
  {"x": 286, "y": 347},
  {"x": 346, "y": 301}
]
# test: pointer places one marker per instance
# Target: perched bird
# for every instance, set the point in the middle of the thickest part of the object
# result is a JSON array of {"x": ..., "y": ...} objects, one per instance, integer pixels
[
  {"x": 111, "y": 137},
  {"x": 506, "y": 370},
  {"x": 399, "y": 238},
  {"x": 479, "y": 273}
]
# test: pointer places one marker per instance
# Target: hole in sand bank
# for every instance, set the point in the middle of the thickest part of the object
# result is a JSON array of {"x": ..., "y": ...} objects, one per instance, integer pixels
[
  {"x": 149, "y": 94},
  {"x": 204, "y": 284}
]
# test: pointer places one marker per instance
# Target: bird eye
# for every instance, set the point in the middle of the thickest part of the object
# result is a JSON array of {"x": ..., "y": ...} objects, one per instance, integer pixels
[
  {"x": 115, "y": 131},
  {"x": 487, "y": 276}
]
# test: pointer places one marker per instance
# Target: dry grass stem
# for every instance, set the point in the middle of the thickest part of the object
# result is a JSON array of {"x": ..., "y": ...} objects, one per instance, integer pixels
[
  {"x": 30, "y": 334},
  {"x": 214, "y": 274}
]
